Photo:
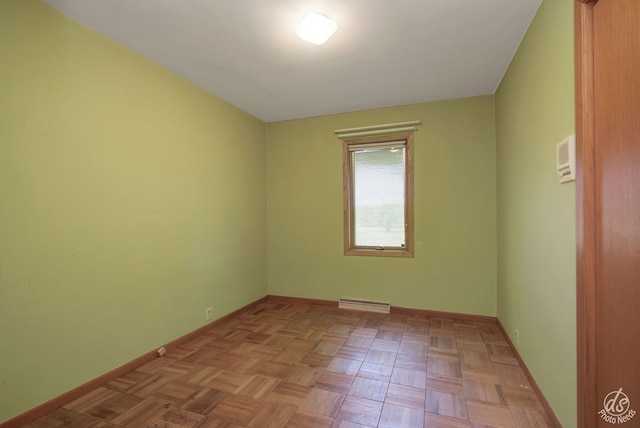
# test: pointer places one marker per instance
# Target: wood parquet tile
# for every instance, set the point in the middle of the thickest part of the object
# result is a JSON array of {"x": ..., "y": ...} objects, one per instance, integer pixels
[{"x": 287, "y": 365}]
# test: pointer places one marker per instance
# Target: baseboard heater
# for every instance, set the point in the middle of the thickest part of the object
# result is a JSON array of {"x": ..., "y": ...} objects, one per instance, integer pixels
[{"x": 364, "y": 305}]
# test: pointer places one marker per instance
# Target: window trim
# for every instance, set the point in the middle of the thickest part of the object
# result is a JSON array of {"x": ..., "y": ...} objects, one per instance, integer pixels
[{"x": 350, "y": 249}]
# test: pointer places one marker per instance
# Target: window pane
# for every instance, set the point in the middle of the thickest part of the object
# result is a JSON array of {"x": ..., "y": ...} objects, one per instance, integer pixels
[{"x": 379, "y": 188}]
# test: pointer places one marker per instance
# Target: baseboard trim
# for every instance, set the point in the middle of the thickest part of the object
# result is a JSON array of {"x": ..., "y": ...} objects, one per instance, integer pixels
[
  {"x": 441, "y": 314},
  {"x": 301, "y": 301},
  {"x": 543, "y": 400},
  {"x": 394, "y": 309},
  {"x": 67, "y": 397}
]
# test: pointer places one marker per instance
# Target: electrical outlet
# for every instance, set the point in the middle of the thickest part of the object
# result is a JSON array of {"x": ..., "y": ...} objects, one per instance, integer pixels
[
  {"x": 517, "y": 338},
  {"x": 209, "y": 314}
]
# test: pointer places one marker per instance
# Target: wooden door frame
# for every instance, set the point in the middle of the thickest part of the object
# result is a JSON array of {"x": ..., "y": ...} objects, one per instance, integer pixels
[{"x": 586, "y": 291}]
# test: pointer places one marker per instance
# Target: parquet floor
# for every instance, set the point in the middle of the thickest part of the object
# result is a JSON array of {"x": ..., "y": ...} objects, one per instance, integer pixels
[{"x": 307, "y": 366}]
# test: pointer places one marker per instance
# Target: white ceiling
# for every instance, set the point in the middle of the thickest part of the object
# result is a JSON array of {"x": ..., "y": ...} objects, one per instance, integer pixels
[{"x": 385, "y": 52}]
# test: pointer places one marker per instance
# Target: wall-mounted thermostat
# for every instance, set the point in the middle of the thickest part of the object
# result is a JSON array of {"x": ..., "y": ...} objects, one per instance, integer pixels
[{"x": 566, "y": 159}]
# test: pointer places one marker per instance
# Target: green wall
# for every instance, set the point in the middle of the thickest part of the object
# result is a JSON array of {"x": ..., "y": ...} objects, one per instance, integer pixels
[
  {"x": 130, "y": 201},
  {"x": 536, "y": 214},
  {"x": 455, "y": 211}
]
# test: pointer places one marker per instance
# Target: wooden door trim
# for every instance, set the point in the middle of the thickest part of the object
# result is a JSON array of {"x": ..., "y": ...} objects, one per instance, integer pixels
[{"x": 586, "y": 291}]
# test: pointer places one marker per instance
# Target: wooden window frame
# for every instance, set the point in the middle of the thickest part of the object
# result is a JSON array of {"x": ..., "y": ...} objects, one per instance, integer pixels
[{"x": 350, "y": 249}]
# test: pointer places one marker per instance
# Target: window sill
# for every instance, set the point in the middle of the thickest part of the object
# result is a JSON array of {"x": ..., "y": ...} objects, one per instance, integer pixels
[{"x": 373, "y": 252}]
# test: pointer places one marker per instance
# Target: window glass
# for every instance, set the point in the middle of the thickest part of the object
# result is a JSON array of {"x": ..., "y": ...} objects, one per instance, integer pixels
[{"x": 379, "y": 197}]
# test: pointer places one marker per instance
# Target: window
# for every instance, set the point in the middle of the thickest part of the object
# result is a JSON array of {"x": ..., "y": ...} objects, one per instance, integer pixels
[{"x": 378, "y": 196}]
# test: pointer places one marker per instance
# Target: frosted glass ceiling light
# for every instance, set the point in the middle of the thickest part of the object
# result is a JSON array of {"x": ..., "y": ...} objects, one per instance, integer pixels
[{"x": 316, "y": 28}]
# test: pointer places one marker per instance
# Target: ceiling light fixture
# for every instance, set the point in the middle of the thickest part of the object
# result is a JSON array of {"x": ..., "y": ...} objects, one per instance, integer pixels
[{"x": 316, "y": 28}]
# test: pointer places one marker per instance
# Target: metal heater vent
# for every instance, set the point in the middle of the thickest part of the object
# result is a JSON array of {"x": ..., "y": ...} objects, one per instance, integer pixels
[{"x": 364, "y": 305}]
